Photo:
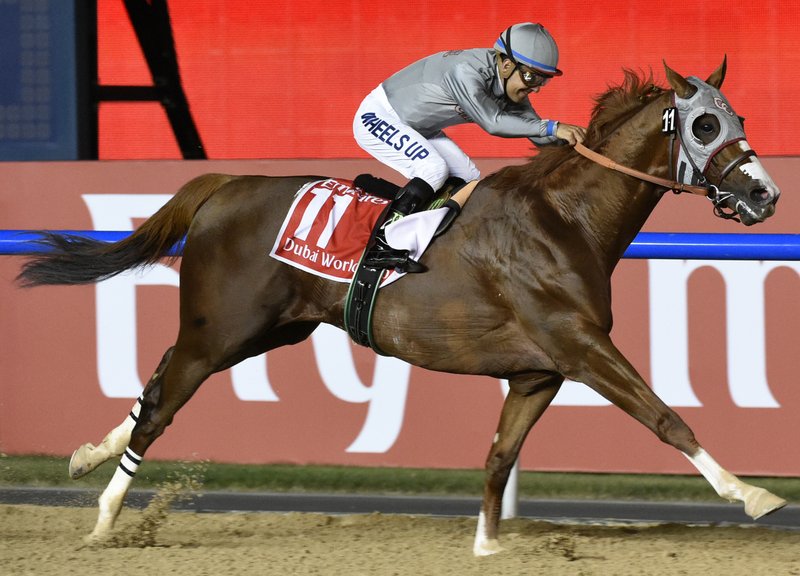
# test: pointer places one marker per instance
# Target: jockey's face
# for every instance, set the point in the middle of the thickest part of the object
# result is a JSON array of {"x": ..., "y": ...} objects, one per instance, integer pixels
[
  {"x": 521, "y": 81},
  {"x": 531, "y": 78},
  {"x": 517, "y": 90}
]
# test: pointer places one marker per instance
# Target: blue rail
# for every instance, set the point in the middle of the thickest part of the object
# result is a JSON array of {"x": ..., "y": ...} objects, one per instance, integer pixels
[
  {"x": 662, "y": 245},
  {"x": 24, "y": 242},
  {"x": 704, "y": 246}
]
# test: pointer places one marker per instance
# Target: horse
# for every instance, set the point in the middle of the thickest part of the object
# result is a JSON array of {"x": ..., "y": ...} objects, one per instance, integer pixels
[{"x": 518, "y": 288}]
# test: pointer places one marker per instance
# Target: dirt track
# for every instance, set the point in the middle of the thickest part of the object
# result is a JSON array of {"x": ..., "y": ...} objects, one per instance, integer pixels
[{"x": 40, "y": 540}]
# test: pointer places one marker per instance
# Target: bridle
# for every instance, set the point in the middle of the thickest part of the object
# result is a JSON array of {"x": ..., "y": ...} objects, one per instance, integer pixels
[{"x": 702, "y": 188}]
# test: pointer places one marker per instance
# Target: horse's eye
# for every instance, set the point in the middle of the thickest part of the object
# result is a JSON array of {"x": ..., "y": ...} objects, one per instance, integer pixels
[{"x": 706, "y": 128}]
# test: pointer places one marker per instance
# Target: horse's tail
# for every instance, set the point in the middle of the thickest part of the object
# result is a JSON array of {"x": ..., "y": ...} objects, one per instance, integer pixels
[{"x": 72, "y": 259}]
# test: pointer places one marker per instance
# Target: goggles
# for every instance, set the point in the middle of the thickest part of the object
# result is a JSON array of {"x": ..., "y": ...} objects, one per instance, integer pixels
[{"x": 532, "y": 79}]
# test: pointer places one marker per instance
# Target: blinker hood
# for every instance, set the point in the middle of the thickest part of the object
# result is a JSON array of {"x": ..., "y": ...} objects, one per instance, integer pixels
[{"x": 694, "y": 155}]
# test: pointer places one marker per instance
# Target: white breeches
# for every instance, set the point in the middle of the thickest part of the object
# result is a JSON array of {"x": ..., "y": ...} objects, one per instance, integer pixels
[{"x": 379, "y": 131}]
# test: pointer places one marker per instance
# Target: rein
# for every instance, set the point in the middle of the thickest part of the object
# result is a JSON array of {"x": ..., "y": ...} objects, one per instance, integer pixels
[{"x": 673, "y": 185}]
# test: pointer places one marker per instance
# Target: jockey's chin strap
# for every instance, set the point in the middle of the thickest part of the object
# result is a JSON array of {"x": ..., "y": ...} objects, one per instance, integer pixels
[{"x": 710, "y": 191}]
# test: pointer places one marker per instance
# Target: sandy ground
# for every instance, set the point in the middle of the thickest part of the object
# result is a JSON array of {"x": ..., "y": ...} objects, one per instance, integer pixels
[{"x": 40, "y": 540}]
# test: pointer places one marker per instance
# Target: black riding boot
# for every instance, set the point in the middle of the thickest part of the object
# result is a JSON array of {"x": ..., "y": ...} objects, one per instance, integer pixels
[{"x": 412, "y": 197}]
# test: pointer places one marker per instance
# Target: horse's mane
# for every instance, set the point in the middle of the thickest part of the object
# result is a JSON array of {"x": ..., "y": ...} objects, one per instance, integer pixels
[
  {"x": 611, "y": 109},
  {"x": 635, "y": 92}
]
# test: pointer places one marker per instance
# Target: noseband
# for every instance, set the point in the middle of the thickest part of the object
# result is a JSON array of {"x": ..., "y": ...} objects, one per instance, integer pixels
[{"x": 718, "y": 197}]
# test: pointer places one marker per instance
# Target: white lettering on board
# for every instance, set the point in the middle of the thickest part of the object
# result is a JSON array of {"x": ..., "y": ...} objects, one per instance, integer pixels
[
  {"x": 117, "y": 355},
  {"x": 386, "y": 395},
  {"x": 745, "y": 330}
]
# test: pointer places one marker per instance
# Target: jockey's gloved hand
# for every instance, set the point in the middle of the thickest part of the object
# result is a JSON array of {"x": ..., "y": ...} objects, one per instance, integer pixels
[{"x": 571, "y": 133}]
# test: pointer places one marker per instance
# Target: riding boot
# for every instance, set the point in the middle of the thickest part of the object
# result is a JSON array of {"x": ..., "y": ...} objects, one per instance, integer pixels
[
  {"x": 412, "y": 197},
  {"x": 376, "y": 186}
]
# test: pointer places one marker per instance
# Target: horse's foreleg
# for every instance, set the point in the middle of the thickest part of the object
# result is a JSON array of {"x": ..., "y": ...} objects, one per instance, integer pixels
[
  {"x": 88, "y": 457},
  {"x": 608, "y": 372},
  {"x": 526, "y": 401}
]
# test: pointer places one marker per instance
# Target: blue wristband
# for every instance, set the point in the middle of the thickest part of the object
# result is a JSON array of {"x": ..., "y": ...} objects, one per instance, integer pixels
[{"x": 551, "y": 127}]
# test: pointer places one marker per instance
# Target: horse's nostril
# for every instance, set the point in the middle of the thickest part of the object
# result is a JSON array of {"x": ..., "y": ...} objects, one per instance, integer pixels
[{"x": 760, "y": 195}]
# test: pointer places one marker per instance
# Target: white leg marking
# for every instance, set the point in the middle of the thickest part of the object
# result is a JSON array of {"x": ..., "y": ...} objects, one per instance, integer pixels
[
  {"x": 484, "y": 546},
  {"x": 88, "y": 457},
  {"x": 111, "y": 499},
  {"x": 757, "y": 501}
]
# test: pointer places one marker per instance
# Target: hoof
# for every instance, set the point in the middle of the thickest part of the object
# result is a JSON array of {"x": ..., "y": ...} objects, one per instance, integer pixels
[
  {"x": 761, "y": 502},
  {"x": 80, "y": 463},
  {"x": 95, "y": 541},
  {"x": 487, "y": 548}
]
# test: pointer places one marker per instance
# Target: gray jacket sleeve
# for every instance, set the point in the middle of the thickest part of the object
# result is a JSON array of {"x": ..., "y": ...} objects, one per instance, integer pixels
[{"x": 515, "y": 121}]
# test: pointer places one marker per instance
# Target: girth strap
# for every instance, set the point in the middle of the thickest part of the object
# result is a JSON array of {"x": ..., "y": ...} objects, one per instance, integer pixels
[{"x": 362, "y": 293}]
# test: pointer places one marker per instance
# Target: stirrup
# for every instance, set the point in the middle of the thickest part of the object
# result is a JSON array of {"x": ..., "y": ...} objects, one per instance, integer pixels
[
  {"x": 381, "y": 255},
  {"x": 397, "y": 259}
]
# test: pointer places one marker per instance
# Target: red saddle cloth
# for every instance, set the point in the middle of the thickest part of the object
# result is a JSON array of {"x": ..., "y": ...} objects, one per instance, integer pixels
[{"x": 327, "y": 228}]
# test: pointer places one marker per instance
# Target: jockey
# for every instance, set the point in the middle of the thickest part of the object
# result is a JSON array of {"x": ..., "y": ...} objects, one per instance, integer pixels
[{"x": 401, "y": 122}]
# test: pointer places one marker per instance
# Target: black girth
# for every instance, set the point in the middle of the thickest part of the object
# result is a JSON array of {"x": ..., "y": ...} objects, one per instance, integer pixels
[
  {"x": 363, "y": 290},
  {"x": 361, "y": 296}
]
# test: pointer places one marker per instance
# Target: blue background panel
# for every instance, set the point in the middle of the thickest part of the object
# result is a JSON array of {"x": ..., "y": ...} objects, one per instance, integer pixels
[{"x": 38, "y": 95}]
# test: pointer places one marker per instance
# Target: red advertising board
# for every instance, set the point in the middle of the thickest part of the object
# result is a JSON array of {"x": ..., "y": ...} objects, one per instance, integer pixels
[
  {"x": 717, "y": 340},
  {"x": 283, "y": 79}
]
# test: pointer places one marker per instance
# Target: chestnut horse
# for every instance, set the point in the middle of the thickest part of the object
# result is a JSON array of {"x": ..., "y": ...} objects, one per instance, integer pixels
[{"x": 519, "y": 288}]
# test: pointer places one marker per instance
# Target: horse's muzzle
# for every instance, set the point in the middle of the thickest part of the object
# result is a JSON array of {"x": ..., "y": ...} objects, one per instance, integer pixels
[{"x": 759, "y": 206}]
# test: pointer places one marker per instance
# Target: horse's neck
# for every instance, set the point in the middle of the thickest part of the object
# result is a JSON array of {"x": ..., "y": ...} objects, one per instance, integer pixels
[{"x": 621, "y": 204}]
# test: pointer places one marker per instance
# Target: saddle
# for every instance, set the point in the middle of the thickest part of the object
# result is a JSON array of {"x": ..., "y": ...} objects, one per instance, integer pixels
[{"x": 379, "y": 258}]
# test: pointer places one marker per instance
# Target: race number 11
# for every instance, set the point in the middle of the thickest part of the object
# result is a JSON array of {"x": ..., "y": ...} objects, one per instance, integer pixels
[
  {"x": 311, "y": 218},
  {"x": 668, "y": 120}
]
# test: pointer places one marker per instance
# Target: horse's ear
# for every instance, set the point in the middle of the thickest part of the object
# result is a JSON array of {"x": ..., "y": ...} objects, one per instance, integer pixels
[
  {"x": 682, "y": 88},
  {"x": 718, "y": 75}
]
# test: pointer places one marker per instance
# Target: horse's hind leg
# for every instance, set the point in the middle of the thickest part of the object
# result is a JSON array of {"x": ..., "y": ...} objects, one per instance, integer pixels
[
  {"x": 527, "y": 399},
  {"x": 185, "y": 370},
  {"x": 226, "y": 337},
  {"x": 606, "y": 370},
  {"x": 88, "y": 456}
]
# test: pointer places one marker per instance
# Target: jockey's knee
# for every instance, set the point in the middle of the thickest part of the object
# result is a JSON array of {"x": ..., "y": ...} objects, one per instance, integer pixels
[
  {"x": 467, "y": 173},
  {"x": 434, "y": 172}
]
